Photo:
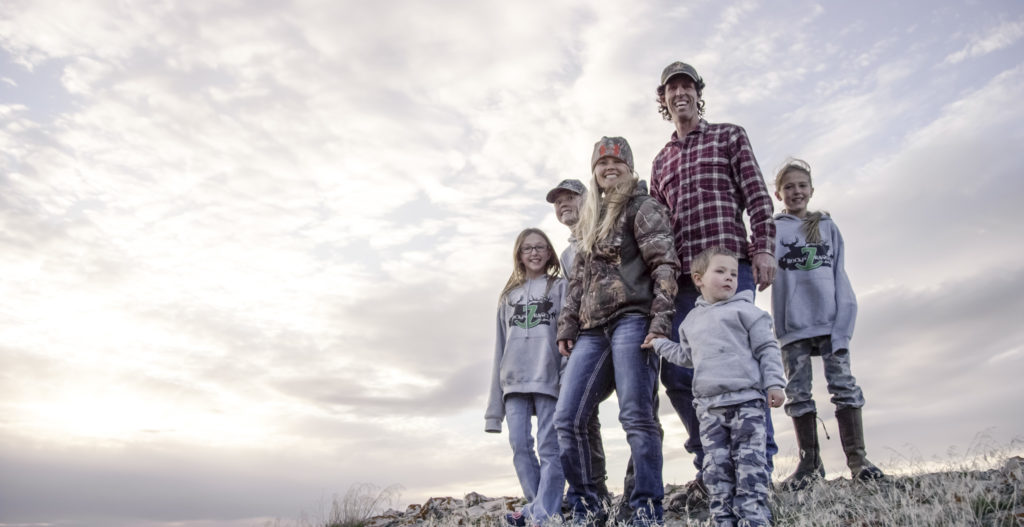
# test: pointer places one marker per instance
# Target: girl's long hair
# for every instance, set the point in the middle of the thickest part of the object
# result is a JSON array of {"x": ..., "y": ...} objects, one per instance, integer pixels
[
  {"x": 518, "y": 276},
  {"x": 602, "y": 210},
  {"x": 810, "y": 223}
]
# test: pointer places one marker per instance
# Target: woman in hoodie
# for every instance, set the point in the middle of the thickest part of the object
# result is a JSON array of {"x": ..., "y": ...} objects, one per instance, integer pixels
[
  {"x": 814, "y": 310},
  {"x": 525, "y": 378},
  {"x": 621, "y": 292}
]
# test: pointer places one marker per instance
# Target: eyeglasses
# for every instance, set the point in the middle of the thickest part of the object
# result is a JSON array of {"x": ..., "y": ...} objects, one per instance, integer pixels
[{"x": 539, "y": 249}]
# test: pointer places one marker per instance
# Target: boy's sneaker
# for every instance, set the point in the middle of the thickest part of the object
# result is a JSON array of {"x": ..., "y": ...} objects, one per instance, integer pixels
[{"x": 515, "y": 519}]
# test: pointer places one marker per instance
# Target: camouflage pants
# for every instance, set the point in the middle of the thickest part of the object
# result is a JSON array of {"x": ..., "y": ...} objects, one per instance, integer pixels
[
  {"x": 735, "y": 470},
  {"x": 796, "y": 357}
]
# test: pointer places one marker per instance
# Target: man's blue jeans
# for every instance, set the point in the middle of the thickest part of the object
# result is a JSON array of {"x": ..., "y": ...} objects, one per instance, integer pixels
[
  {"x": 678, "y": 381},
  {"x": 603, "y": 357}
]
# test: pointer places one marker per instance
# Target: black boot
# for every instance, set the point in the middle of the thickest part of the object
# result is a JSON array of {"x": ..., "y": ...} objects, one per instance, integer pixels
[
  {"x": 851, "y": 433},
  {"x": 810, "y": 467}
]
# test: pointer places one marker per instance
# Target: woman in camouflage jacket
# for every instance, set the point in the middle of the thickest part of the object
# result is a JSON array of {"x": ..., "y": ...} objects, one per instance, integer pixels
[{"x": 621, "y": 293}]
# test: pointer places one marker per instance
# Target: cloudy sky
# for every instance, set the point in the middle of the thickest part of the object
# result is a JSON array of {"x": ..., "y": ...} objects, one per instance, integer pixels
[{"x": 250, "y": 251}]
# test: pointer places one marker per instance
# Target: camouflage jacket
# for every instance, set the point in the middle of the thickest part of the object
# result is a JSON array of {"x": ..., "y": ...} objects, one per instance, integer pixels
[{"x": 631, "y": 271}]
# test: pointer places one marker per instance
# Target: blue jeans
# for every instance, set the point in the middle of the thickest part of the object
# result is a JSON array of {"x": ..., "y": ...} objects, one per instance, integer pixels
[
  {"x": 678, "y": 381},
  {"x": 603, "y": 357},
  {"x": 542, "y": 481}
]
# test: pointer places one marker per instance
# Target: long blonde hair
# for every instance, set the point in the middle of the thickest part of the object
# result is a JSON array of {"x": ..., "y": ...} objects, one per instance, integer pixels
[
  {"x": 518, "y": 276},
  {"x": 811, "y": 221},
  {"x": 602, "y": 209}
]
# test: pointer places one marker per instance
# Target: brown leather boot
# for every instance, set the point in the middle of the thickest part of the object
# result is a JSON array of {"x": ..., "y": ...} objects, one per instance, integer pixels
[
  {"x": 810, "y": 467},
  {"x": 851, "y": 433}
]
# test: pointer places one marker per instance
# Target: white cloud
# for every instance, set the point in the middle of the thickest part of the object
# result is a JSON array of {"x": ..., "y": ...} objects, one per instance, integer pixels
[{"x": 1000, "y": 37}]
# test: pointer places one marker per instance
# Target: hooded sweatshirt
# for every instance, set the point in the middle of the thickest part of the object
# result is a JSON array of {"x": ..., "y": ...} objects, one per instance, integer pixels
[
  {"x": 811, "y": 295},
  {"x": 526, "y": 358},
  {"x": 732, "y": 350}
]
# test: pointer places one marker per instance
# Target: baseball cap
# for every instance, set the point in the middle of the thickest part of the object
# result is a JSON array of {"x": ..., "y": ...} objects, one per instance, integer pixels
[
  {"x": 682, "y": 68},
  {"x": 572, "y": 185},
  {"x": 616, "y": 147}
]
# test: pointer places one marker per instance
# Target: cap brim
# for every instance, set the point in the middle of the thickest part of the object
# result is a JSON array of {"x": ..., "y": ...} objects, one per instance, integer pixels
[
  {"x": 676, "y": 74},
  {"x": 554, "y": 192}
]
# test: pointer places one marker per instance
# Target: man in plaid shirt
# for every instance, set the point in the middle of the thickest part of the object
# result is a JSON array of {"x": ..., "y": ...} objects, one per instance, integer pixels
[{"x": 707, "y": 176}]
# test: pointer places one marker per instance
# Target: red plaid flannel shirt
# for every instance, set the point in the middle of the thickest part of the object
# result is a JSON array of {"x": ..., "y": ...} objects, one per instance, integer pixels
[{"x": 707, "y": 181}]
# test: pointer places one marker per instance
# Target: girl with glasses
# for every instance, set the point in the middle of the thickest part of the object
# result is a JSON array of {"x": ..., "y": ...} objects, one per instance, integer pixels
[{"x": 526, "y": 374}]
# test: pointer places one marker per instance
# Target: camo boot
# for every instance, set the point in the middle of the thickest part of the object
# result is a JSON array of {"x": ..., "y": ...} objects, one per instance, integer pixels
[
  {"x": 810, "y": 467},
  {"x": 851, "y": 433}
]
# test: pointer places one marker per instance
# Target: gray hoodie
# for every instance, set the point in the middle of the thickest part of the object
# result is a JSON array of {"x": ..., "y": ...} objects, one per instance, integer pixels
[
  {"x": 811, "y": 295},
  {"x": 526, "y": 358},
  {"x": 732, "y": 350}
]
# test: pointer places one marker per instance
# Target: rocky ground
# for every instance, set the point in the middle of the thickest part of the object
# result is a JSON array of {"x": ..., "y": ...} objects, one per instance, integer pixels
[{"x": 978, "y": 497}]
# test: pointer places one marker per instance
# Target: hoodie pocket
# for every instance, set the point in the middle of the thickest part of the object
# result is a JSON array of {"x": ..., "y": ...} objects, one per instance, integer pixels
[
  {"x": 813, "y": 303},
  {"x": 719, "y": 372}
]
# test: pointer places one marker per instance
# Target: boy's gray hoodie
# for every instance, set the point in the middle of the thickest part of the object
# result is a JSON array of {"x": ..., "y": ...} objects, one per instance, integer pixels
[
  {"x": 732, "y": 350},
  {"x": 526, "y": 358},
  {"x": 811, "y": 294}
]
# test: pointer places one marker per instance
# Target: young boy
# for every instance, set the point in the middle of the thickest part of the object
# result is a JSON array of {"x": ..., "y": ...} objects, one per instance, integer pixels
[{"x": 731, "y": 347}]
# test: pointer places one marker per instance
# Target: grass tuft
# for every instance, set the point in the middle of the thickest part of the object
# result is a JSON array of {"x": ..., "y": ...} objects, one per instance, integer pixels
[{"x": 359, "y": 503}]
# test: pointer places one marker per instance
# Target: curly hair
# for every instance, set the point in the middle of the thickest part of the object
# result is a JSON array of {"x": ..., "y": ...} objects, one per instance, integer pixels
[{"x": 663, "y": 108}]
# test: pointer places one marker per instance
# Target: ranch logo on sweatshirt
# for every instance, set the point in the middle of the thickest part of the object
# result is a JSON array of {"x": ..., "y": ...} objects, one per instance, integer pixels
[
  {"x": 805, "y": 257},
  {"x": 531, "y": 314}
]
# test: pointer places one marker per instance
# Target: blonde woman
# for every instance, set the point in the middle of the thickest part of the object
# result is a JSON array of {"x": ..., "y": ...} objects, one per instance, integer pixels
[{"x": 621, "y": 293}]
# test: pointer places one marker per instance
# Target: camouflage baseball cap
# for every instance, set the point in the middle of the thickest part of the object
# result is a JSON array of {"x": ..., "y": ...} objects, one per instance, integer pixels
[
  {"x": 682, "y": 68},
  {"x": 616, "y": 147},
  {"x": 572, "y": 185}
]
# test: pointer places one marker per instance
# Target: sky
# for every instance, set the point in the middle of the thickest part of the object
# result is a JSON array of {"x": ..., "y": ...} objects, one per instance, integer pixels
[{"x": 250, "y": 252}]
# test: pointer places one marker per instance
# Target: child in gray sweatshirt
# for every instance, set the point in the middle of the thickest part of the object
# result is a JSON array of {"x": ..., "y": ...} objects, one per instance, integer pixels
[
  {"x": 526, "y": 375},
  {"x": 815, "y": 310},
  {"x": 737, "y": 366}
]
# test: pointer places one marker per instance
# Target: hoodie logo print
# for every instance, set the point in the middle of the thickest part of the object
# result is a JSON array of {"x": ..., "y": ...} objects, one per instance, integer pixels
[
  {"x": 810, "y": 263},
  {"x": 532, "y": 314},
  {"x": 805, "y": 257}
]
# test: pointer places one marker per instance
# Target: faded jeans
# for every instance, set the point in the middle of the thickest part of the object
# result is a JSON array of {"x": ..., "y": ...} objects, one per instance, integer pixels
[
  {"x": 603, "y": 357},
  {"x": 796, "y": 356},
  {"x": 542, "y": 481}
]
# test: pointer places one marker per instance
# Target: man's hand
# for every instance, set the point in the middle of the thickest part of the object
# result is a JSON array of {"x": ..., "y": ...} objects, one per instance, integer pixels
[
  {"x": 776, "y": 396},
  {"x": 648, "y": 342},
  {"x": 764, "y": 266},
  {"x": 565, "y": 347}
]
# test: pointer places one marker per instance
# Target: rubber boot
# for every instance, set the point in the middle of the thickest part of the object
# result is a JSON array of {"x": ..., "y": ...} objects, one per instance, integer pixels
[
  {"x": 851, "y": 433},
  {"x": 810, "y": 467}
]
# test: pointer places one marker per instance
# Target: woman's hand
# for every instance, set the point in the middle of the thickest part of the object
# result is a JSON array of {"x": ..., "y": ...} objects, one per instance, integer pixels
[{"x": 565, "y": 347}]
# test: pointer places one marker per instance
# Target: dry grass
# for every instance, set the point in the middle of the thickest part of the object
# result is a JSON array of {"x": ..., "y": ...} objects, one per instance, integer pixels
[
  {"x": 985, "y": 487},
  {"x": 361, "y": 502}
]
